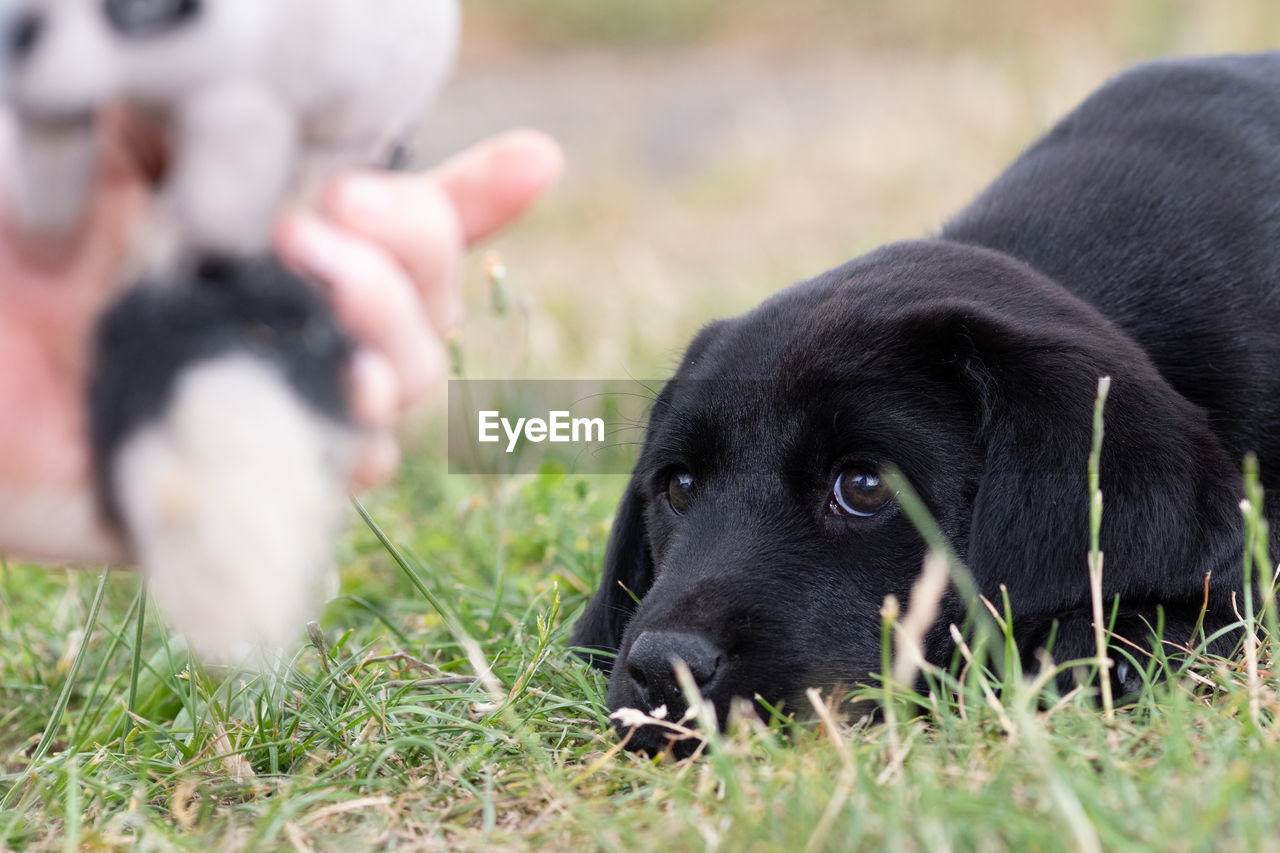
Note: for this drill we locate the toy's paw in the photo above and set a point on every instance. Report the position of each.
(232, 501)
(223, 449)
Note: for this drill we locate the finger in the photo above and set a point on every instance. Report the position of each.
(49, 525)
(493, 182)
(376, 463)
(425, 219)
(416, 222)
(375, 392)
(372, 296)
(374, 402)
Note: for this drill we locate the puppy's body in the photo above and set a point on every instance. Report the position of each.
(1139, 239)
(1158, 203)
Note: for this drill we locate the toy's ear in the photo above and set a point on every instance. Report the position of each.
(628, 574)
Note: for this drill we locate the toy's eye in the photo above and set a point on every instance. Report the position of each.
(24, 31)
(680, 491)
(859, 492)
(149, 17)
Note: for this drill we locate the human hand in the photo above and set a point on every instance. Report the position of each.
(50, 295)
(389, 247)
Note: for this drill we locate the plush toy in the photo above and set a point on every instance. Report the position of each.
(220, 425)
(261, 96)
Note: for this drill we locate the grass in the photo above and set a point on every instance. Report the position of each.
(437, 706)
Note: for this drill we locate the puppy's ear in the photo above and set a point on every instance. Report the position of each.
(1170, 489)
(628, 574)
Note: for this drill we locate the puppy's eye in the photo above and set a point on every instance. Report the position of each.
(680, 491)
(859, 492)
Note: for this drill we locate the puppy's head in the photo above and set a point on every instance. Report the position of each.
(757, 540)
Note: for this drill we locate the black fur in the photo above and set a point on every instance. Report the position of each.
(158, 330)
(1140, 239)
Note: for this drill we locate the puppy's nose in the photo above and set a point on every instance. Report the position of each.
(650, 663)
(21, 32)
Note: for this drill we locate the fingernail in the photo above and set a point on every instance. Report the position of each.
(537, 157)
(364, 199)
(377, 463)
(429, 372)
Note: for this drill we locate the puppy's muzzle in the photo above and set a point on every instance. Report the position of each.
(651, 666)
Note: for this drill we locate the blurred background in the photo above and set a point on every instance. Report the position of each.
(720, 150)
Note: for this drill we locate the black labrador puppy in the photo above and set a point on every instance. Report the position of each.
(1140, 239)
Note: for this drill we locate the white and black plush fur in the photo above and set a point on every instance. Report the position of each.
(222, 446)
(220, 425)
(262, 97)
